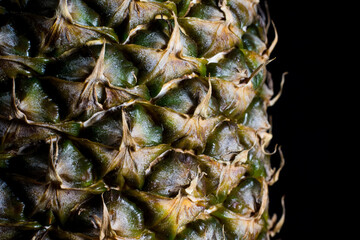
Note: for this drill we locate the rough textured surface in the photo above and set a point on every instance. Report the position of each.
(134, 120)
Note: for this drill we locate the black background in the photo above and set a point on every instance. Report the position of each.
(307, 119)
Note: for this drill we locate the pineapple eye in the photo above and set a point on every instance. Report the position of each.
(245, 198)
(174, 173)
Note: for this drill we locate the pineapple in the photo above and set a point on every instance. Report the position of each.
(124, 119)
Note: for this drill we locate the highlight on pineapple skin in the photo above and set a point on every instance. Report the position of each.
(126, 119)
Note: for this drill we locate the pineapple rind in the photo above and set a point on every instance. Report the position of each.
(134, 120)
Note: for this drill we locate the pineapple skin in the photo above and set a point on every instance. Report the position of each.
(134, 120)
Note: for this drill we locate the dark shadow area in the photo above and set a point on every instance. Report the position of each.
(304, 120)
